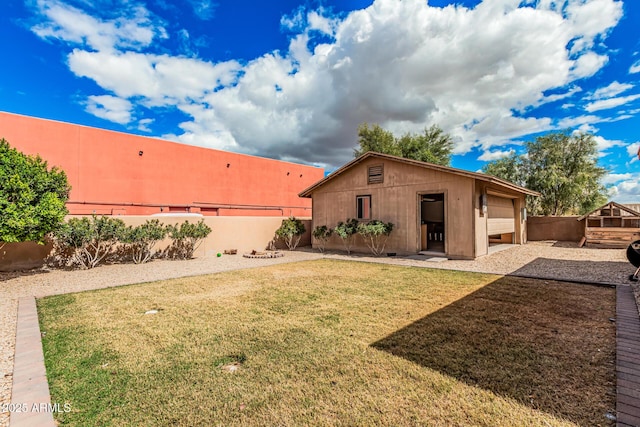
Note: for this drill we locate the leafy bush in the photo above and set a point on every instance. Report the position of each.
(375, 234)
(141, 240)
(322, 233)
(87, 241)
(291, 232)
(346, 231)
(186, 237)
(32, 196)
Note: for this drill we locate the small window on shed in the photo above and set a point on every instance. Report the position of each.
(376, 174)
(363, 207)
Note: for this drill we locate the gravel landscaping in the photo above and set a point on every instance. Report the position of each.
(553, 260)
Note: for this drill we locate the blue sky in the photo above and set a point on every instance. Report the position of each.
(293, 79)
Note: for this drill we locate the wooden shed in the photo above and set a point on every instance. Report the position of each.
(437, 210)
(611, 226)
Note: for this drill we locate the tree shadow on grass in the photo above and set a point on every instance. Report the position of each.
(548, 345)
(614, 272)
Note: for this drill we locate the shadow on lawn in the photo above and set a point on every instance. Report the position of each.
(614, 272)
(548, 345)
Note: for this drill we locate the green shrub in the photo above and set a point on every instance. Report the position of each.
(291, 232)
(346, 231)
(140, 241)
(322, 233)
(375, 234)
(32, 196)
(186, 237)
(87, 241)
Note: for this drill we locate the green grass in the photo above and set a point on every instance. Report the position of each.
(333, 343)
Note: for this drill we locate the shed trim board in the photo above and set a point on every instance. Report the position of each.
(462, 233)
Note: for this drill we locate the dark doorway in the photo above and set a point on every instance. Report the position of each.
(432, 229)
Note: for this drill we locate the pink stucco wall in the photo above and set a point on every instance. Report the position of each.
(118, 173)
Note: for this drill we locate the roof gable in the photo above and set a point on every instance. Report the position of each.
(372, 154)
(610, 205)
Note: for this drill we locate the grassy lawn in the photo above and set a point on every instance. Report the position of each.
(333, 343)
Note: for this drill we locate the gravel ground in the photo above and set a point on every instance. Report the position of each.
(552, 260)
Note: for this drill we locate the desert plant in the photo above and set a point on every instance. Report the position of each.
(291, 231)
(346, 231)
(89, 240)
(140, 241)
(375, 234)
(186, 237)
(322, 233)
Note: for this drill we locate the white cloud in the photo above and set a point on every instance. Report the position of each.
(321, 23)
(489, 156)
(295, 21)
(614, 178)
(611, 90)
(160, 79)
(203, 9)
(603, 144)
(587, 128)
(560, 96)
(635, 68)
(110, 108)
(632, 149)
(605, 104)
(69, 24)
(143, 125)
(627, 190)
(591, 19)
(402, 64)
(588, 64)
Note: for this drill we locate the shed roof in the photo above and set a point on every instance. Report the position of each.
(610, 205)
(474, 175)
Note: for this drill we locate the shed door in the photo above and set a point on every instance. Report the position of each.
(501, 215)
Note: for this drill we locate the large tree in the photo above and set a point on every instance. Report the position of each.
(32, 196)
(562, 167)
(433, 145)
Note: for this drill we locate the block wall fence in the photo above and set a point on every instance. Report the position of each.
(563, 228)
(231, 232)
(249, 233)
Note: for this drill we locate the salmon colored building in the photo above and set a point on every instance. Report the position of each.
(113, 173)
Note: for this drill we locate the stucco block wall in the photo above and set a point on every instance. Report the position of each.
(117, 173)
(241, 233)
(396, 200)
(23, 256)
(563, 228)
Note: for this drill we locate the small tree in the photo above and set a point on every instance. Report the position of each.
(291, 232)
(186, 237)
(563, 167)
(141, 240)
(432, 145)
(375, 234)
(322, 233)
(32, 196)
(346, 231)
(89, 241)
